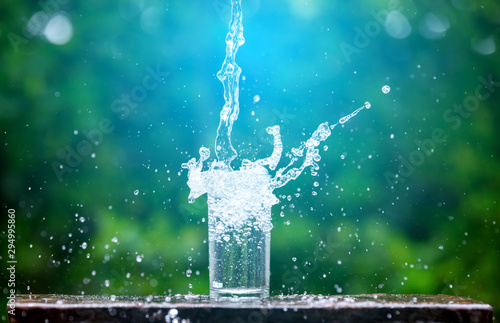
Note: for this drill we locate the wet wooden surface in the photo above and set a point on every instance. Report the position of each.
(295, 308)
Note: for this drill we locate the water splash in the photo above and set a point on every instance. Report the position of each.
(232, 193)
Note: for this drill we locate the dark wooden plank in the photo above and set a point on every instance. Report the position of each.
(295, 308)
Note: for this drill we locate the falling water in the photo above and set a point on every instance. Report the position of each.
(220, 179)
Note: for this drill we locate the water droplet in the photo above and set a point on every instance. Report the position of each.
(368, 105)
(172, 313)
(84, 245)
(386, 89)
(138, 258)
(256, 99)
(136, 192)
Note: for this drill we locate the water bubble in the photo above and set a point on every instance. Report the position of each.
(172, 313)
(138, 258)
(106, 283)
(368, 105)
(386, 89)
(256, 98)
(204, 153)
(136, 192)
(84, 245)
(114, 239)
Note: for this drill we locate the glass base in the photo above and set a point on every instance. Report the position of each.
(239, 294)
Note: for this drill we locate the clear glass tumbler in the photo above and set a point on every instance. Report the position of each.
(239, 222)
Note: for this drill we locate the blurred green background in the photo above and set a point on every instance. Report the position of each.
(101, 102)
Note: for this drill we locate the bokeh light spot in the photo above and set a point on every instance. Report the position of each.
(59, 29)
